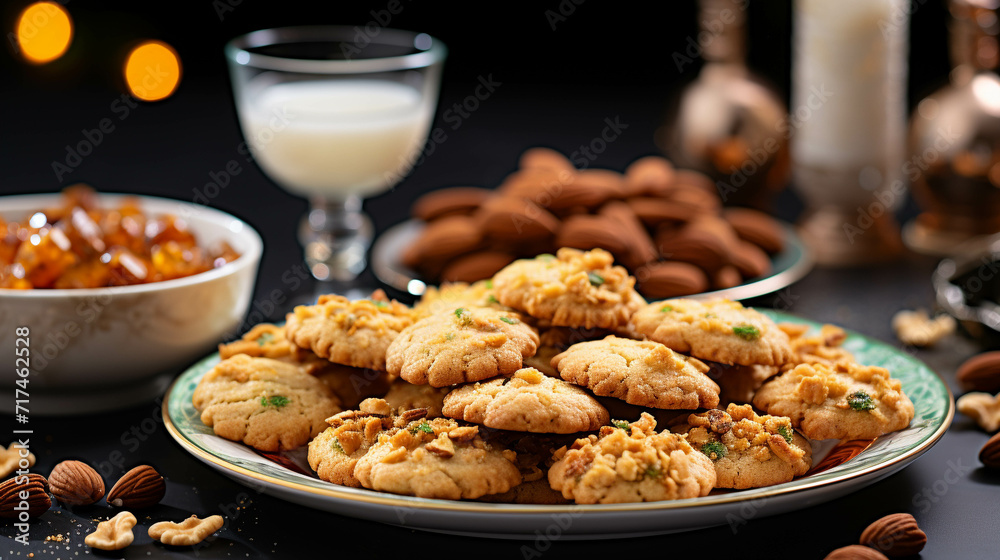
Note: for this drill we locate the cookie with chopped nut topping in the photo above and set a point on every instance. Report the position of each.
(455, 294)
(528, 401)
(461, 345)
(639, 372)
(748, 450)
(571, 289)
(352, 333)
(719, 330)
(404, 395)
(437, 458)
(844, 400)
(631, 463)
(334, 453)
(267, 404)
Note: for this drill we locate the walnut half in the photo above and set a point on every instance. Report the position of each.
(113, 534)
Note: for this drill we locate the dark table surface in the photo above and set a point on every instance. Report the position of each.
(953, 498)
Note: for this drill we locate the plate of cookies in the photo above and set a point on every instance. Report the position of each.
(553, 399)
(667, 226)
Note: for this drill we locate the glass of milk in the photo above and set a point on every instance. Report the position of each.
(335, 114)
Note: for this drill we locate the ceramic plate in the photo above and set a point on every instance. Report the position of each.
(841, 468)
(787, 266)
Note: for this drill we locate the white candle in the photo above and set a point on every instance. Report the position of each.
(849, 84)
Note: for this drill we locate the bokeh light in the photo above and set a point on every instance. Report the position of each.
(152, 71)
(44, 31)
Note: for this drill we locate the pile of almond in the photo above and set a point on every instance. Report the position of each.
(667, 226)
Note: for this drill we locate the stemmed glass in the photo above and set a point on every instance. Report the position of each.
(335, 114)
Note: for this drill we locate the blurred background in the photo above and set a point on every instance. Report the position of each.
(560, 70)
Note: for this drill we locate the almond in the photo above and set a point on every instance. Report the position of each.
(751, 260)
(538, 184)
(895, 535)
(38, 501)
(656, 211)
(476, 266)
(590, 188)
(651, 175)
(670, 279)
(757, 228)
(592, 232)
(695, 179)
(989, 455)
(139, 488)
(447, 202)
(509, 218)
(855, 552)
(696, 200)
(545, 158)
(640, 248)
(981, 373)
(76, 484)
(726, 277)
(443, 240)
(696, 246)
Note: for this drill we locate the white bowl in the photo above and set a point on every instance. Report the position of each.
(102, 340)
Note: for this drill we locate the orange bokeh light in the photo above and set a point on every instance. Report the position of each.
(44, 31)
(152, 71)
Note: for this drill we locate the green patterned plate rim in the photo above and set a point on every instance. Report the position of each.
(933, 403)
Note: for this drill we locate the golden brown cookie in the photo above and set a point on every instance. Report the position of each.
(528, 401)
(639, 372)
(748, 450)
(267, 404)
(718, 330)
(455, 294)
(462, 345)
(824, 347)
(268, 341)
(631, 463)
(572, 289)
(437, 458)
(842, 401)
(334, 453)
(404, 395)
(352, 333)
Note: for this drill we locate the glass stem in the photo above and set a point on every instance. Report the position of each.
(336, 235)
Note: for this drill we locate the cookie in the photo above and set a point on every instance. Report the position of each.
(437, 458)
(463, 345)
(631, 463)
(642, 373)
(455, 294)
(267, 404)
(718, 330)
(268, 341)
(353, 385)
(841, 401)
(748, 450)
(824, 347)
(334, 453)
(572, 289)
(528, 401)
(404, 395)
(352, 333)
